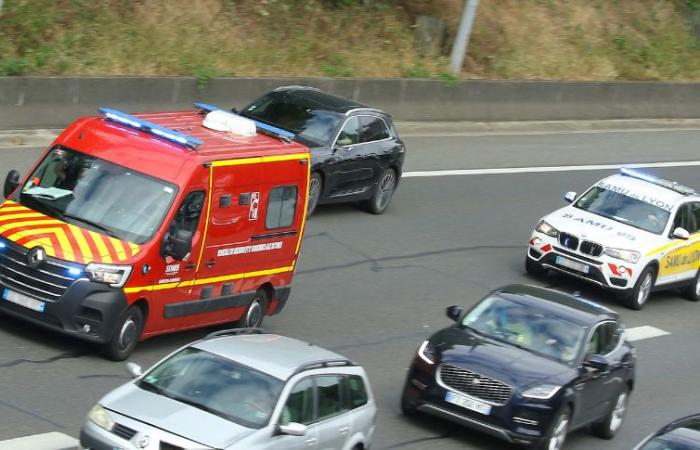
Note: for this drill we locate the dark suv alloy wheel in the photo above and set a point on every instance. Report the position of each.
(607, 428)
(315, 189)
(383, 193)
(558, 431)
(126, 335)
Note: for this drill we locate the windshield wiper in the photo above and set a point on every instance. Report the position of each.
(50, 208)
(100, 227)
(153, 388)
(206, 408)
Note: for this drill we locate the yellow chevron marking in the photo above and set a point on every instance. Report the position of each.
(14, 208)
(101, 247)
(119, 248)
(20, 224)
(42, 242)
(82, 243)
(27, 215)
(135, 249)
(58, 232)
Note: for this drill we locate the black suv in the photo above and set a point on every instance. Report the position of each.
(356, 154)
(527, 365)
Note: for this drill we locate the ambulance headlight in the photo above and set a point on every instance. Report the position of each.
(544, 227)
(115, 276)
(100, 417)
(630, 256)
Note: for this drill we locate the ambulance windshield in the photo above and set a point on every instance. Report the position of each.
(95, 194)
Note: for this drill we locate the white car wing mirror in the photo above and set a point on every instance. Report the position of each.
(681, 233)
(293, 429)
(570, 196)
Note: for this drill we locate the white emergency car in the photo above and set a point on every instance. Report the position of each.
(630, 232)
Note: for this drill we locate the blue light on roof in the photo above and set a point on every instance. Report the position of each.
(260, 125)
(657, 181)
(151, 128)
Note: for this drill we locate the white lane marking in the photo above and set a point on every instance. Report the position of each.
(496, 132)
(644, 332)
(46, 441)
(542, 169)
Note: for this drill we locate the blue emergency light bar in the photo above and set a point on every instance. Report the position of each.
(685, 190)
(276, 132)
(151, 128)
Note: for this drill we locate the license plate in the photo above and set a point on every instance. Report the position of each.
(577, 266)
(468, 403)
(23, 300)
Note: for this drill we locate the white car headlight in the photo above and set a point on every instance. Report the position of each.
(544, 227)
(426, 352)
(113, 275)
(100, 417)
(542, 391)
(630, 256)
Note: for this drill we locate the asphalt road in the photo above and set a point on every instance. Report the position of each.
(372, 287)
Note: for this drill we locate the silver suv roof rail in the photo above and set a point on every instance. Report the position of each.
(322, 363)
(235, 332)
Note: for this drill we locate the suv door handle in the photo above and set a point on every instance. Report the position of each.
(311, 441)
(343, 430)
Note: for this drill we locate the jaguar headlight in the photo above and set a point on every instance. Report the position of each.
(100, 417)
(544, 227)
(542, 391)
(426, 352)
(115, 276)
(630, 256)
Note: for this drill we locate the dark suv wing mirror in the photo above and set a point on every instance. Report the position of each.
(598, 362)
(178, 245)
(11, 182)
(454, 312)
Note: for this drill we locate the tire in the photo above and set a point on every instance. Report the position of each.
(611, 423)
(534, 268)
(126, 335)
(407, 409)
(554, 440)
(692, 292)
(315, 190)
(637, 298)
(255, 313)
(383, 193)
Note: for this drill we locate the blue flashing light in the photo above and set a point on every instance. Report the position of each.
(151, 128)
(75, 272)
(278, 132)
(2, 245)
(672, 185)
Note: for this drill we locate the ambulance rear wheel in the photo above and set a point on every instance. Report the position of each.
(384, 192)
(254, 315)
(315, 189)
(126, 335)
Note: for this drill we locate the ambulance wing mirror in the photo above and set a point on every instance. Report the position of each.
(570, 196)
(681, 233)
(178, 245)
(11, 182)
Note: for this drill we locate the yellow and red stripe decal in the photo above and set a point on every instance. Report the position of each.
(30, 228)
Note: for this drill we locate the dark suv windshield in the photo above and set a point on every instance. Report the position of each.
(315, 126)
(216, 385)
(97, 194)
(624, 209)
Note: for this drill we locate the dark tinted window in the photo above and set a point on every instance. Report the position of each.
(695, 215)
(281, 207)
(350, 134)
(187, 216)
(357, 391)
(372, 129)
(330, 401)
(682, 218)
(605, 338)
(300, 404)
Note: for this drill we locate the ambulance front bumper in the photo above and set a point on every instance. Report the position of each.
(602, 270)
(86, 310)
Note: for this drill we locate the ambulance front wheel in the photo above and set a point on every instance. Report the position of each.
(254, 315)
(126, 335)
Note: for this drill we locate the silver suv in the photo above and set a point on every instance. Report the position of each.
(238, 389)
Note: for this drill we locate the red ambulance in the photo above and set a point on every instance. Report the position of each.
(131, 226)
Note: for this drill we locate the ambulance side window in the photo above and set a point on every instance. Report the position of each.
(281, 207)
(187, 216)
(695, 213)
(682, 219)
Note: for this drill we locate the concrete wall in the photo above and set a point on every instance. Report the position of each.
(27, 102)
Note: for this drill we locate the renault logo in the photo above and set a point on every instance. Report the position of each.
(36, 257)
(144, 441)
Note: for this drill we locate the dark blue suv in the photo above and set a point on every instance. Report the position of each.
(527, 365)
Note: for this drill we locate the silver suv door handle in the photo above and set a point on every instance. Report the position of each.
(311, 441)
(343, 430)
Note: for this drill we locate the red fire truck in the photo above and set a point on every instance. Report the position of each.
(131, 226)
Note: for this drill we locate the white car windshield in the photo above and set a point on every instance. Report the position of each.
(624, 209)
(537, 330)
(217, 385)
(97, 194)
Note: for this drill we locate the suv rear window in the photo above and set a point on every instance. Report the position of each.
(358, 393)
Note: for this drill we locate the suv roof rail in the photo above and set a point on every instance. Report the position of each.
(235, 332)
(294, 86)
(321, 363)
(365, 108)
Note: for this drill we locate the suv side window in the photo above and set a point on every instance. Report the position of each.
(350, 134)
(695, 215)
(605, 339)
(281, 207)
(372, 129)
(357, 391)
(330, 397)
(300, 404)
(682, 218)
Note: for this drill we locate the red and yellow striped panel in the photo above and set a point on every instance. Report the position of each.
(30, 228)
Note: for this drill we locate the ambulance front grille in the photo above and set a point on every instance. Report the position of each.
(47, 282)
